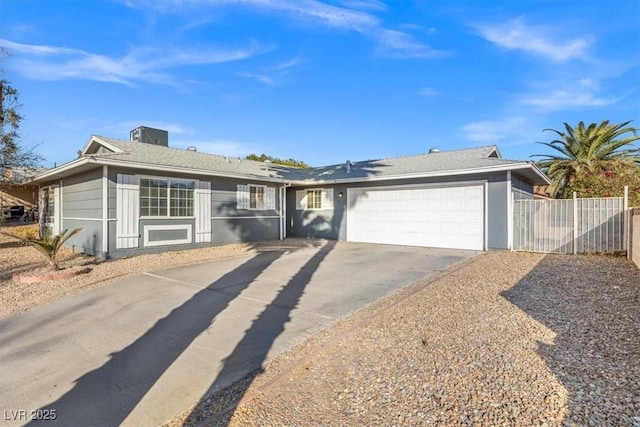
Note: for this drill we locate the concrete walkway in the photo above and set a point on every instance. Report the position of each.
(142, 350)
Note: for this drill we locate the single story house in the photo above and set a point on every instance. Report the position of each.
(142, 196)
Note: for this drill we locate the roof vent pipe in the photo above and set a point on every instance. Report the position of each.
(348, 166)
(192, 148)
(434, 150)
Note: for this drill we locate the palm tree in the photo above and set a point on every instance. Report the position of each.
(584, 149)
(49, 245)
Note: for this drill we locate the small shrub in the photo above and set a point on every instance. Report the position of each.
(49, 245)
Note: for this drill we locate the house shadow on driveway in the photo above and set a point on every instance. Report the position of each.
(592, 303)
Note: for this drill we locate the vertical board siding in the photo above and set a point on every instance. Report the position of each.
(242, 196)
(560, 226)
(57, 211)
(128, 211)
(301, 200)
(270, 198)
(327, 198)
(203, 211)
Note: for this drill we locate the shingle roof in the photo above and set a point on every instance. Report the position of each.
(138, 152)
(442, 161)
(454, 162)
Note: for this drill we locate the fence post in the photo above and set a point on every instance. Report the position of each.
(575, 223)
(625, 207)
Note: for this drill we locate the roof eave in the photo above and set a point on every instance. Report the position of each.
(189, 171)
(488, 169)
(97, 139)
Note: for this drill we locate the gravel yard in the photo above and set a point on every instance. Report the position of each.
(502, 339)
(510, 339)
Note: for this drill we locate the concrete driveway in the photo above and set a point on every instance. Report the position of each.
(142, 350)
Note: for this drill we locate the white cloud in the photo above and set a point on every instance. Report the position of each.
(141, 64)
(541, 40)
(563, 99)
(560, 95)
(428, 92)
(399, 44)
(356, 16)
(258, 77)
(364, 4)
(507, 131)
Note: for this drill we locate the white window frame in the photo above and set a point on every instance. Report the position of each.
(187, 240)
(326, 199)
(317, 193)
(264, 196)
(168, 181)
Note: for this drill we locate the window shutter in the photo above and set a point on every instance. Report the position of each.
(127, 211)
(202, 208)
(270, 198)
(243, 196)
(301, 200)
(327, 198)
(57, 212)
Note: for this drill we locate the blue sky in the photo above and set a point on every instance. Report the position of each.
(320, 81)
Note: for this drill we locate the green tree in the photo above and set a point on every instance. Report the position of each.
(284, 162)
(12, 154)
(588, 153)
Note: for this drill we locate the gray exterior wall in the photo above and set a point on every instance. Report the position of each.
(81, 206)
(332, 224)
(228, 224)
(522, 189)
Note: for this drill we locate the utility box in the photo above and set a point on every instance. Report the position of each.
(149, 135)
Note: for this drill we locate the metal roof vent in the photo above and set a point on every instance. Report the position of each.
(192, 148)
(434, 150)
(348, 166)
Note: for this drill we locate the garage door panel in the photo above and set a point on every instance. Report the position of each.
(450, 217)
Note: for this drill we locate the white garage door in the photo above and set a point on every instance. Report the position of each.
(442, 217)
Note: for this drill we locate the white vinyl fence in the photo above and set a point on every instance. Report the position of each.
(570, 226)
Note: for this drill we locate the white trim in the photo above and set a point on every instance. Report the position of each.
(168, 217)
(626, 219)
(264, 197)
(101, 142)
(57, 212)
(509, 212)
(105, 209)
(425, 185)
(270, 198)
(127, 211)
(486, 215)
(148, 228)
(244, 177)
(486, 169)
(169, 181)
(70, 218)
(484, 183)
(202, 211)
(247, 217)
(60, 200)
(575, 223)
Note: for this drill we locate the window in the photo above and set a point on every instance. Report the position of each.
(256, 197)
(166, 197)
(314, 199)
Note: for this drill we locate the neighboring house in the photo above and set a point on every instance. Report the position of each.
(14, 190)
(140, 197)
